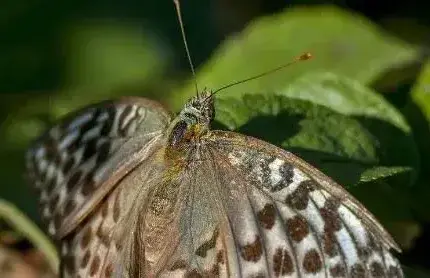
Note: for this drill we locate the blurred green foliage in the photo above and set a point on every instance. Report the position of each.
(329, 110)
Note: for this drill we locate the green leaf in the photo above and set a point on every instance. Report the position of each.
(417, 111)
(341, 42)
(382, 172)
(421, 91)
(349, 97)
(346, 96)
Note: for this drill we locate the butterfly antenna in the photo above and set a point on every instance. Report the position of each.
(303, 57)
(181, 24)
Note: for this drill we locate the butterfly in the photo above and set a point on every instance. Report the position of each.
(127, 190)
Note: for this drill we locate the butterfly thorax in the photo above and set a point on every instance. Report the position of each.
(192, 122)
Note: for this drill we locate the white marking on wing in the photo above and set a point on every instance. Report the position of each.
(115, 127)
(43, 163)
(318, 197)
(298, 177)
(103, 117)
(46, 212)
(275, 176)
(347, 246)
(354, 225)
(313, 215)
(51, 228)
(81, 119)
(128, 117)
(92, 133)
(68, 140)
(50, 172)
(40, 152)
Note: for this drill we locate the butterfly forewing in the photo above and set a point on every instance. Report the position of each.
(94, 248)
(98, 144)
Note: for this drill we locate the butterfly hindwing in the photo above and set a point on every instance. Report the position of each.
(297, 221)
(71, 161)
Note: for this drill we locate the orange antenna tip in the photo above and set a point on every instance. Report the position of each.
(305, 56)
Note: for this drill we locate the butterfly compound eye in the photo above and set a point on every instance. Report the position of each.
(178, 133)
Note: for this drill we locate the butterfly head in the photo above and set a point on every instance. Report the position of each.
(199, 109)
(193, 120)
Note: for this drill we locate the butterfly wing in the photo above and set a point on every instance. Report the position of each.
(94, 248)
(251, 209)
(77, 162)
(298, 221)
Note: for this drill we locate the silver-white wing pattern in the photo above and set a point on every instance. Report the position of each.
(71, 161)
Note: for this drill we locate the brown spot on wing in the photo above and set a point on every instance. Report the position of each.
(180, 264)
(253, 251)
(298, 228)
(214, 272)
(267, 215)
(193, 274)
(377, 270)
(300, 197)
(330, 215)
(95, 265)
(220, 257)
(358, 271)
(206, 246)
(312, 262)
(332, 224)
(282, 263)
(109, 270)
(329, 244)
